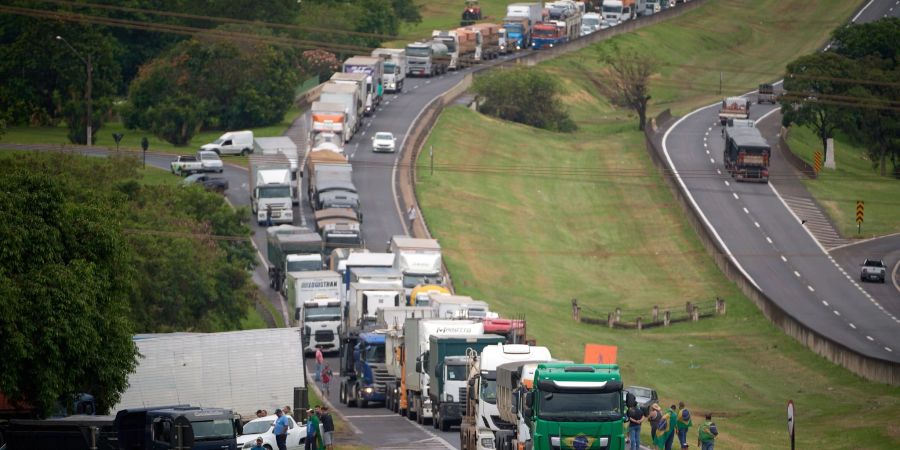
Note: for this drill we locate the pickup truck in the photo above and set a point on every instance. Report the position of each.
(185, 165)
(873, 270)
(204, 161)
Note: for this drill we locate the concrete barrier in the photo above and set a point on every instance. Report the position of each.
(870, 368)
(798, 163)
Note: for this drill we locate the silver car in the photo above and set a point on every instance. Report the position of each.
(384, 141)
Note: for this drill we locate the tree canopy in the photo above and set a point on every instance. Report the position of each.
(525, 96)
(91, 256)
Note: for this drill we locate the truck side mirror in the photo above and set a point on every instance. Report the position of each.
(419, 364)
(529, 400)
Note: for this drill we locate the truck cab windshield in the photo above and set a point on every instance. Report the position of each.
(457, 372)
(304, 266)
(275, 192)
(450, 43)
(580, 406)
(489, 390)
(513, 28)
(375, 354)
(416, 51)
(344, 239)
(541, 32)
(322, 314)
(213, 430)
(413, 280)
(612, 9)
(389, 68)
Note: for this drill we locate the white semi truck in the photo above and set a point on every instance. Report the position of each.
(269, 146)
(317, 305)
(395, 67)
(419, 260)
(374, 70)
(328, 118)
(272, 192)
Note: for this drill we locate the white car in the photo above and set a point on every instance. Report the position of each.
(264, 427)
(384, 142)
(211, 161)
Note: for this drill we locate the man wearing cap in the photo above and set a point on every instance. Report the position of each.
(312, 430)
(282, 423)
(259, 444)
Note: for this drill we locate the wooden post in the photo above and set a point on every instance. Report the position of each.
(666, 319)
(618, 315)
(655, 313)
(720, 306)
(609, 320)
(640, 326)
(688, 308)
(695, 314)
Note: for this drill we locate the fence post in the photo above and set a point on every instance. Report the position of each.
(688, 308)
(666, 319)
(655, 313)
(720, 305)
(695, 314)
(640, 326)
(609, 320)
(618, 315)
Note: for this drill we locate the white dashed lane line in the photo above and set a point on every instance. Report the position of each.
(735, 196)
(783, 258)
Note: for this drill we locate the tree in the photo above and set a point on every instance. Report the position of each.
(628, 81)
(523, 95)
(207, 82)
(319, 63)
(810, 89)
(879, 39)
(65, 282)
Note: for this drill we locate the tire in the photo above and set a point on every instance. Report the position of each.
(343, 394)
(434, 419)
(245, 152)
(443, 425)
(217, 152)
(361, 402)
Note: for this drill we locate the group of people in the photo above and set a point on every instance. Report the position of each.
(319, 428)
(664, 425)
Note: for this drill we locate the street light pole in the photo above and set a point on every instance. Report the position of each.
(87, 89)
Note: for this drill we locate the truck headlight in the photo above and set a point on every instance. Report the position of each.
(449, 398)
(368, 390)
(487, 442)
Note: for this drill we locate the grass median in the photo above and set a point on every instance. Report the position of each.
(530, 219)
(853, 179)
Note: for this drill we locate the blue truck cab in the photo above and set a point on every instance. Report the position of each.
(370, 376)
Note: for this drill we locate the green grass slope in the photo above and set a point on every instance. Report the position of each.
(531, 219)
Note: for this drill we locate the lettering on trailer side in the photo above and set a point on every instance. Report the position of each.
(318, 284)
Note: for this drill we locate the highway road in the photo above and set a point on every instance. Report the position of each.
(768, 243)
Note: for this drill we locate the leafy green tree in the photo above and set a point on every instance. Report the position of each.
(879, 39)
(44, 81)
(525, 96)
(212, 83)
(812, 86)
(65, 283)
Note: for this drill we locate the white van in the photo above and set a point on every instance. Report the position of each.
(232, 143)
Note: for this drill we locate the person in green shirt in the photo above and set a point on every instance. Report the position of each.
(706, 436)
(665, 431)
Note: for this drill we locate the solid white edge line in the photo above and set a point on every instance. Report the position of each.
(861, 11)
(694, 204)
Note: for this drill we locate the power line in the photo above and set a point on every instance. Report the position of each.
(185, 30)
(215, 19)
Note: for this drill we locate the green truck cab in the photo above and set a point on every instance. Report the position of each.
(576, 406)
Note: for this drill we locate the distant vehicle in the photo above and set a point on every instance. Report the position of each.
(590, 23)
(384, 142)
(766, 94)
(232, 143)
(873, 270)
(264, 427)
(651, 7)
(185, 165)
(734, 108)
(644, 396)
(211, 161)
(209, 183)
(471, 14)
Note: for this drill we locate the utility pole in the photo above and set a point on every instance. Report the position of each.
(87, 89)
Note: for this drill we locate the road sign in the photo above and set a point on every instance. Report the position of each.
(790, 421)
(817, 161)
(860, 210)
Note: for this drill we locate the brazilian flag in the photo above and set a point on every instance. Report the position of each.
(665, 429)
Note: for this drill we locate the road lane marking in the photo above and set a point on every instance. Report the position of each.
(712, 160)
(726, 181)
(735, 196)
(746, 211)
(810, 288)
(837, 313)
(852, 326)
(783, 258)
(756, 224)
(888, 349)
(870, 338)
(824, 303)
(719, 171)
(797, 274)
(768, 239)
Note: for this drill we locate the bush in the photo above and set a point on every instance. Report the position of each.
(525, 96)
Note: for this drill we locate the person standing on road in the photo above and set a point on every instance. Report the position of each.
(268, 215)
(683, 424)
(635, 419)
(411, 215)
(326, 380)
(282, 423)
(320, 359)
(328, 429)
(706, 437)
(259, 444)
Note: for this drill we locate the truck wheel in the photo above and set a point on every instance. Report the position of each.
(245, 152)
(410, 407)
(342, 397)
(360, 401)
(434, 419)
(444, 425)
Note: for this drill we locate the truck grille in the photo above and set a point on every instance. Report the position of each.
(502, 424)
(324, 336)
(381, 378)
(462, 395)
